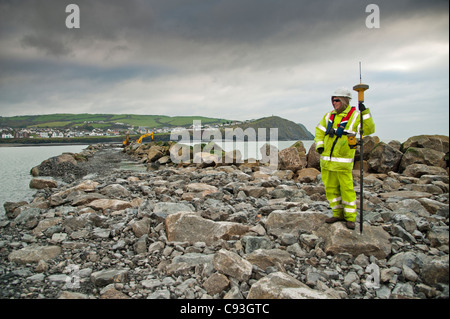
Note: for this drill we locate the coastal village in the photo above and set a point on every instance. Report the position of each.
(88, 129)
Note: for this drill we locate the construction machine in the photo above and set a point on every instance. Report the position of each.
(143, 136)
(126, 142)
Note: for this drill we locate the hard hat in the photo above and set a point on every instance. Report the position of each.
(343, 92)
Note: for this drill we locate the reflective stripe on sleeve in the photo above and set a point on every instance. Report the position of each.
(355, 117)
(320, 127)
(349, 132)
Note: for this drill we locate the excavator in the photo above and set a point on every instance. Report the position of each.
(126, 142)
(145, 135)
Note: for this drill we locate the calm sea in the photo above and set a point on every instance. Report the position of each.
(16, 163)
(15, 166)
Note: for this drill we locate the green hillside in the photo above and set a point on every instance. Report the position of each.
(287, 130)
(102, 120)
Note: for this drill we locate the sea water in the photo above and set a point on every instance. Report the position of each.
(15, 166)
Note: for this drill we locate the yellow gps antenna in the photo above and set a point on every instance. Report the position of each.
(360, 88)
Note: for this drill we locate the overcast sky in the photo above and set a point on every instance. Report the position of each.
(232, 59)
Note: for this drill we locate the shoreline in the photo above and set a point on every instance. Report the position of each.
(44, 144)
(150, 229)
(120, 144)
(147, 234)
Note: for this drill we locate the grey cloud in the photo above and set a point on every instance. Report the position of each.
(236, 59)
(46, 44)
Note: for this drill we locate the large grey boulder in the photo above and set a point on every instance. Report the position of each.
(384, 158)
(374, 241)
(190, 227)
(292, 222)
(279, 285)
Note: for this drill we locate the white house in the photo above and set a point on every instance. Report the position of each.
(7, 135)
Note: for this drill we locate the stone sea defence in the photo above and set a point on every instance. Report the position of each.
(216, 230)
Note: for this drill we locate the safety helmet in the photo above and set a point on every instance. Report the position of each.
(342, 92)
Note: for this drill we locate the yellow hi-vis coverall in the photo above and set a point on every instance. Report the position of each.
(336, 168)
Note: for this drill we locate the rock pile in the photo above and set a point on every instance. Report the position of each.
(229, 231)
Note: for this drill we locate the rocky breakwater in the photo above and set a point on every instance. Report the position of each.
(228, 231)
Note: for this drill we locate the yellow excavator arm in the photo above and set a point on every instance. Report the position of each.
(145, 135)
(127, 140)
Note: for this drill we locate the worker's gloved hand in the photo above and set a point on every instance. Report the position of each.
(361, 106)
(320, 150)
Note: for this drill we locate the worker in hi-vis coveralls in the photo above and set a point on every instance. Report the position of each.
(335, 141)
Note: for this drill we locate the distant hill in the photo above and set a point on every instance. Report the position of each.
(102, 121)
(311, 136)
(287, 130)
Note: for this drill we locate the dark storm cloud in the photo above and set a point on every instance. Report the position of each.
(233, 59)
(41, 24)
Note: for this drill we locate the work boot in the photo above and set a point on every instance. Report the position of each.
(332, 220)
(350, 225)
